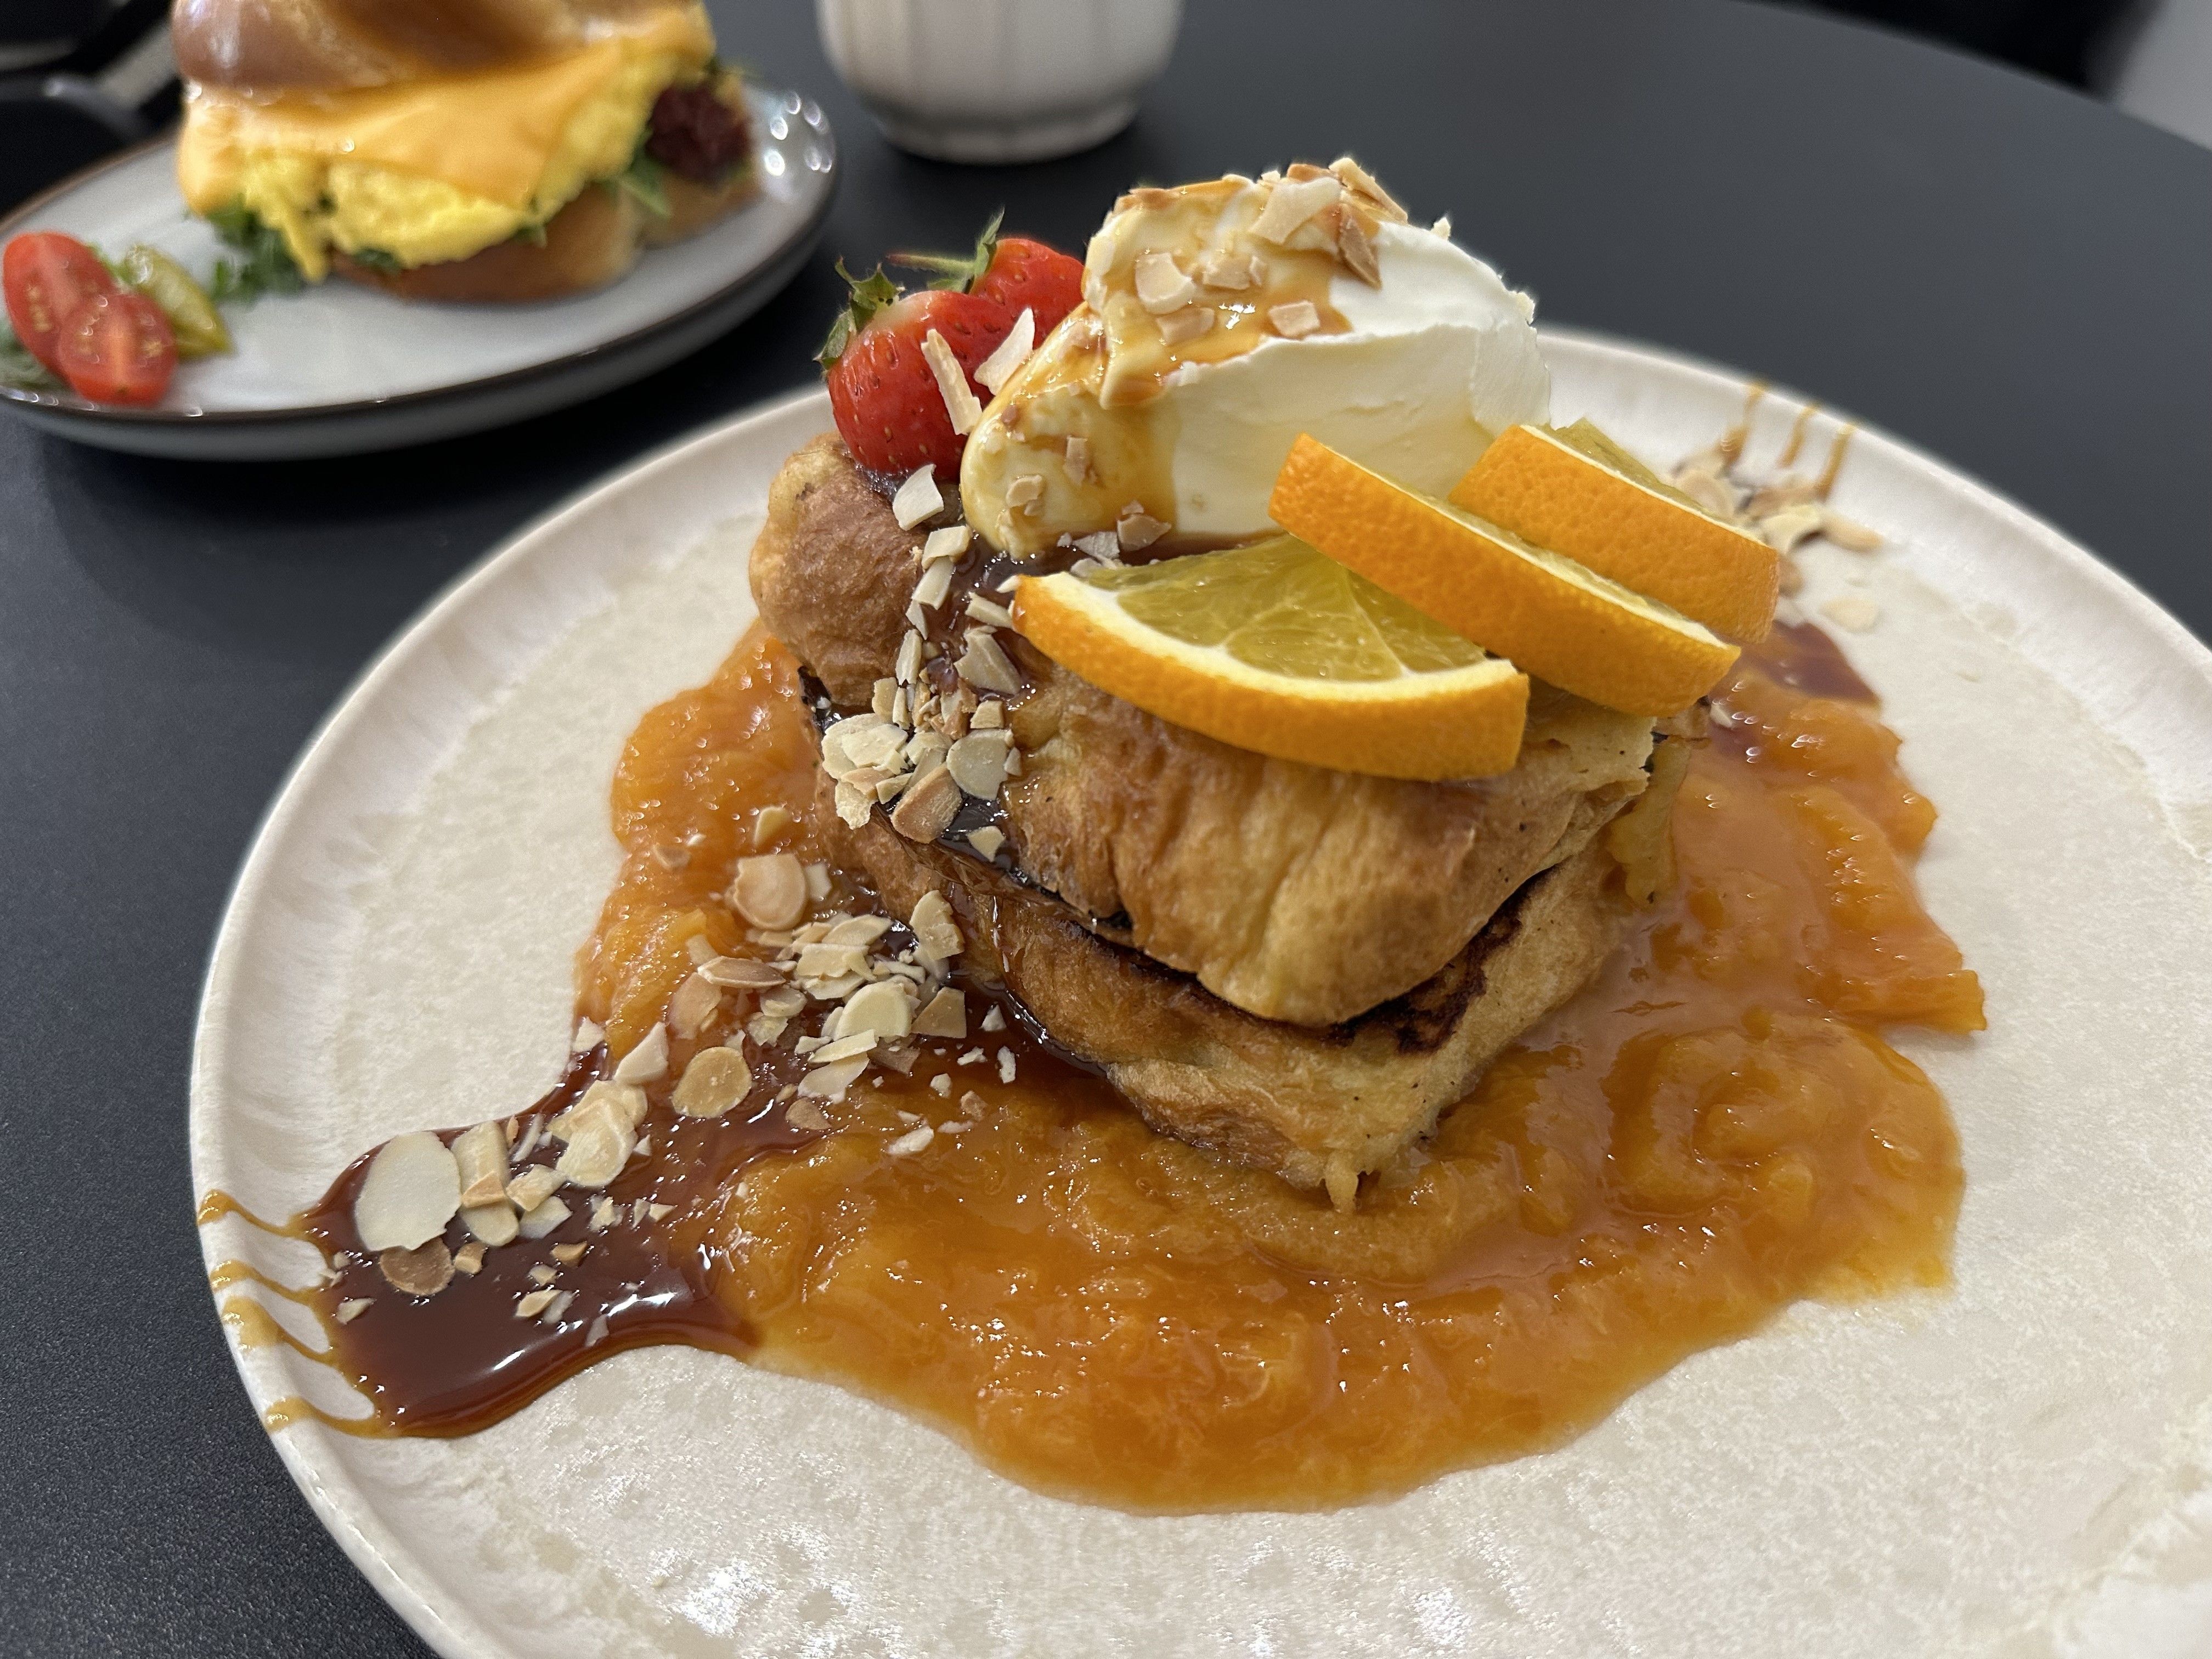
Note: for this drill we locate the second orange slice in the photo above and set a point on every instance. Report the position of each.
(1552, 616)
(1576, 491)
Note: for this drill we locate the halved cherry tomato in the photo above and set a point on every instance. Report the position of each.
(118, 349)
(46, 276)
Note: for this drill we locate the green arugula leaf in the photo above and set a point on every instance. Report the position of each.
(375, 258)
(18, 367)
(642, 179)
(267, 267)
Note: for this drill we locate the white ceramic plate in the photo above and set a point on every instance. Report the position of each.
(340, 369)
(2021, 1465)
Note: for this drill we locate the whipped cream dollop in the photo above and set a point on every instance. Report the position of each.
(1222, 319)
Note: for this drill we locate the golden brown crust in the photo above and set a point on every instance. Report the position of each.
(266, 45)
(1294, 892)
(588, 244)
(1316, 1106)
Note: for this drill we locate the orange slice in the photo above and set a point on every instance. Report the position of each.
(1556, 620)
(1576, 491)
(1274, 649)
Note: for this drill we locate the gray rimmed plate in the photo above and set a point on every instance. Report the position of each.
(340, 369)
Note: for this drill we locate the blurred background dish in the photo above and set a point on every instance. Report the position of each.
(998, 79)
(339, 369)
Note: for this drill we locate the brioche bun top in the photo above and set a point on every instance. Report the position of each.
(252, 46)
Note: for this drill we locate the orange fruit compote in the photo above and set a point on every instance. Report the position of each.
(1714, 1129)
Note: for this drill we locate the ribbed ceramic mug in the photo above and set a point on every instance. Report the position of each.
(998, 79)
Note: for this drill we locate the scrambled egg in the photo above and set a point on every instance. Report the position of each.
(434, 170)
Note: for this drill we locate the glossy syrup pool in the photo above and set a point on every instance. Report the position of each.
(1712, 1130)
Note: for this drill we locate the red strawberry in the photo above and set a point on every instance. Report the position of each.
(1026, 274)
(888, 408)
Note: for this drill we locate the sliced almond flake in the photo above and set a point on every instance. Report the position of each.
(532, 1187)
(1137, 528)
(715, 1082)
(918, 498)
(1356, 251)
(978, 763)
(600, 1137)
(1025, 492)
(991, 615)
(1848, 533)
(480, 1155)
(767, 1029)
(986, 665)
(647, 1060)
(974, 1105)
(1770, 498)
(960, 404)
(935, 930)
(1232, 273)
(769, 822)
(853, 805)
(891, 788)
(883, 1013)
(536, 1223)
(605, 1214)
(941, 1084)
(995, 1020)
(1076, 458)
(1792, 525)
(469, 1259)
(973, 1057)
(423, 1271)
(493, 1225)
(1790, 579)
(558, 1309)
(946, 1016)
(1188, 323)
(410, 1191)
(694, 1005)
(958, 1125)
(660, 1211)
(351, 1309)
(913, 1141)
(926, 751)
(1005, 1065)
(1294, 319)
(879, 698)
(784, 1002)
(741, 973)
(541, 1274)
(858, 930)
(1291, 202)
(533, 1303)
(1710, 491)
(948, 543)
(830, 1082)
(807, 1115)
(1853, 611)
(589, 1035)
(1010, 354)
(1442, 227)
(672, 858)
(1161, 285)
(987, 839)
(596, 1332)
(569, 1254)
(527, 1141)
(1358, 178)
(859, 1045)
(818, 882)
(926, 810)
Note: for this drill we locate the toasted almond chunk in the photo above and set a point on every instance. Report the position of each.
(1005, 1065)
(1160, 283)
(987, 839)
(946, 1016)
(1356, 252)
(946, 544)
(880, 698)
(995, 1019)
(716, 1080)
(589, 1035)
(647, 1060)
(569, 1254)
(770, 890)
(351, 1309)
(530, 1305)
(1291, 202)
(942, 1085)
(532, 1187)
(480, 1155)
(934, 929)
(985, 664)
(989, 612)
(532, 1132)
(605, 1214)
(1076, 458)
(818, 882)
(913, 1141)
(1137, 528)
(960, 405)
(493, 1224)
(926, 810)
(1187, 323)
(1358, 178)
(1232, 273)
(536, 1223)
(558, 1309)
(854, 804)
(908, 665)
(830, 1082)
(973, 1105)
(600, 1137)
(1294, 320)
(1442, 228)
(808, 1115)
(978, 763)
(469, 1259)
(694, 1004)
(769, 822)
(423, 1271)
(1010, 354)
(411, 1190)
(990, 715)
(541, 1274)
(918, 497)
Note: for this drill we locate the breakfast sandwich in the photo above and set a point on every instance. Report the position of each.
(458, 149)
(1290, 858)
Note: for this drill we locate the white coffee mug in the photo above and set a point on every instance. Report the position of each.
(998, 79)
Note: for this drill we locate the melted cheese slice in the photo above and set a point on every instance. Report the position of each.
(441, 167)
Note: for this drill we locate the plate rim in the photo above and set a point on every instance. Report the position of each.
(452, 1629)
(65, 410)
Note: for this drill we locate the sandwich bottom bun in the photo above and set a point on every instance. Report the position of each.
(588, 244)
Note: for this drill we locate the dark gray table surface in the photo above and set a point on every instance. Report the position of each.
(2001, 271)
